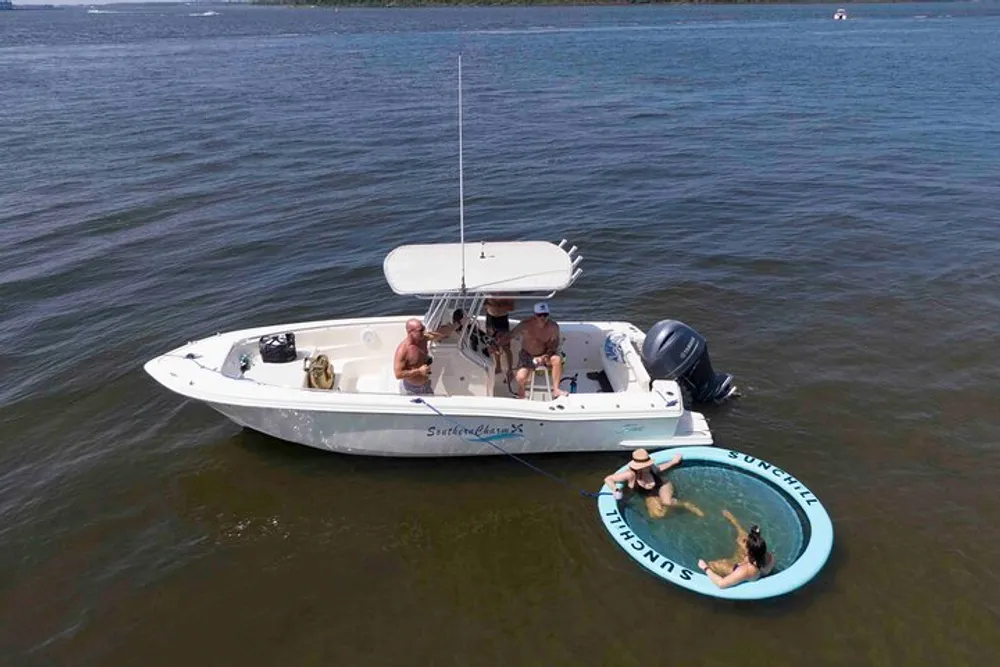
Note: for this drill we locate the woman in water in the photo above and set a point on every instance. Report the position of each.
(751, 561)
(645, 478)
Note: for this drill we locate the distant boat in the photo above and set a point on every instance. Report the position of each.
(840, 15)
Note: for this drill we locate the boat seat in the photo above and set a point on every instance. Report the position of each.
(365, 376)
(622, 364)
(544, 391)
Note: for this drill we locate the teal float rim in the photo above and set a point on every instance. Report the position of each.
(810, 509)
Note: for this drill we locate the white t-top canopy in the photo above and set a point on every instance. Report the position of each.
(494, 268)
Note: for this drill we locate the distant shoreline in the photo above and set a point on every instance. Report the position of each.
(390, 4)
(387, 4)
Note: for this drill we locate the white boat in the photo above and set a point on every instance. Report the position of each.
(616, 404)
(620, 398)
(840, 15)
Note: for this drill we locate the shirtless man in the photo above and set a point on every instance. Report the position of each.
(498, 325)
(539, 347)
(411, 362)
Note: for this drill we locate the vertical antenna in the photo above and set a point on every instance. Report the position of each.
(461, 180)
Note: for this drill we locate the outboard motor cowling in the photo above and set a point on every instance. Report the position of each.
(674, 351)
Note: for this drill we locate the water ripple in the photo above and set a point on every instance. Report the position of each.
(819, 200)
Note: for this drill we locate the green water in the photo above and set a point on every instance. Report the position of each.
(685, 537)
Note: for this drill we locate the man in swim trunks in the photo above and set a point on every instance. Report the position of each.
(497, 325)
(539, 347)
(411, 364)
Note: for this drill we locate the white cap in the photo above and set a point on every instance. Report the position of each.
(541, 308)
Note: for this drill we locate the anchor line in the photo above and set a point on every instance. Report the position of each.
(582, 492)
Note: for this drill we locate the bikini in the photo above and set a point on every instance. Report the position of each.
(760, 570)
(653, 490)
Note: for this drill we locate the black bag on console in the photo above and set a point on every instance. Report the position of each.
(277, 348)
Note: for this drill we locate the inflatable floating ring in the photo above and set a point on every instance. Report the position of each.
(662, 550)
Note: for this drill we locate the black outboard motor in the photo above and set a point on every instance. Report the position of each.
(674, 351)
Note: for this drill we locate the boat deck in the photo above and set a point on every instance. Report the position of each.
(383, 381)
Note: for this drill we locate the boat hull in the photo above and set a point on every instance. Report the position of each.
(434, 435)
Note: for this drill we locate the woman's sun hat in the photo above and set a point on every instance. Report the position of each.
(640, 460)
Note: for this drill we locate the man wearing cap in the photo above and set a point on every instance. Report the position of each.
(539, 347)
